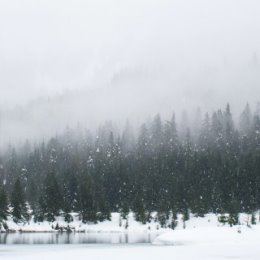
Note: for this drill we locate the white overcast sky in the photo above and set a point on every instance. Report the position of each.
(50, 46)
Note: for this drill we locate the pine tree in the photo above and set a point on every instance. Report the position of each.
(170, 135)
(185, 216)
(140, 211)
(70, 192)
(51, 199)
(183, 125)
(245, 121)
(4, 207)
(196, 124)
(19, 210)
(88, 206)
(228, 125)
(174, 221)
(128, 139)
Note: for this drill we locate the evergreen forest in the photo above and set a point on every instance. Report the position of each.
(212, 165)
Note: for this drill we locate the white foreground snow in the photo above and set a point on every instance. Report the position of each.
(211, 236)
(221, 250)
(203, 238)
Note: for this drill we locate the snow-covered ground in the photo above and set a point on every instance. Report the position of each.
(203, 238)
(116, 224)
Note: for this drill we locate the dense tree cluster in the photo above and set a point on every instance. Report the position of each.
(213, 166)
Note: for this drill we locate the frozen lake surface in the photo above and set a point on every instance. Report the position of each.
(78, 238)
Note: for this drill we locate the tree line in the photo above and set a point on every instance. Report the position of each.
(213, 166)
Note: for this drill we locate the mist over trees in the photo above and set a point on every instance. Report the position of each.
(208, 165)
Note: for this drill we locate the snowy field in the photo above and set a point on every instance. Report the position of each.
(203, 238)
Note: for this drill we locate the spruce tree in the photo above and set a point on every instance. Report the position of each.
(245, 121)
(51, 199)
(4, 207)
(88, 206)
(19, 207)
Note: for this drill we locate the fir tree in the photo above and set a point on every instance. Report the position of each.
(19, 207)
(4, 207)
(51, 199)
(88, 206)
